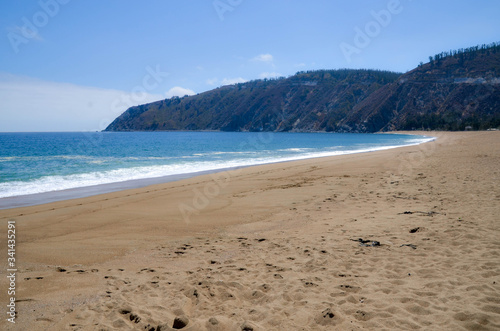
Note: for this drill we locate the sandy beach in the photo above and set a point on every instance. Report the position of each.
(402, 239)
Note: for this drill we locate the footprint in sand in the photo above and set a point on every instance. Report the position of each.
(131, 316)
(179, 323)
(327, 317)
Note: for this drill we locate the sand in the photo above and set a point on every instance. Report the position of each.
(274, 247)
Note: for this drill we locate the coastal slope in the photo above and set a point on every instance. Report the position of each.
(454, 91)
(307, 101)
(457, 90)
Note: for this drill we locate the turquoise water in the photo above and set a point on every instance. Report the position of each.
(44, 162)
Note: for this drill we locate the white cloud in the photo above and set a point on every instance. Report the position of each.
(263, 58)
(231, 81)
(178, 91)
(270, 75)
(225, 81)
(29, 104)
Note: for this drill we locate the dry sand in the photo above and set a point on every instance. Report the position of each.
(275, 247)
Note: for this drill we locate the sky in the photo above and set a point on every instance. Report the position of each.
(75, 65)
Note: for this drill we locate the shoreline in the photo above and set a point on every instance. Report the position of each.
(88, 191)
(275, 246)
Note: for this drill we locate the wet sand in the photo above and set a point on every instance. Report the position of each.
(275, 247)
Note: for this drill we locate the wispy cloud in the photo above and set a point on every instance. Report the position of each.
(225, 81)
(30, 104)
(178, 91)
(231, 81)
(270, 75)
(263, 58)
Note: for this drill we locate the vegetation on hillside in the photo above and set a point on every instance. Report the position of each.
(307, 101)
(455, 90)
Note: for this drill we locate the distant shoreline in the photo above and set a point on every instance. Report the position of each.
(88, 191)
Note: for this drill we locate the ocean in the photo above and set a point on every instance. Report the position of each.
(42, 167)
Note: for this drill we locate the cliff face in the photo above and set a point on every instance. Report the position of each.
(454, 91)
(450, 94)
(312, 101)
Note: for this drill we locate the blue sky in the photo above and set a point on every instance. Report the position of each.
(74, 65)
